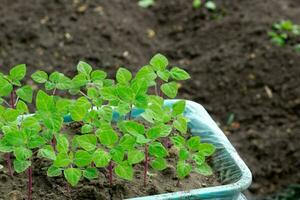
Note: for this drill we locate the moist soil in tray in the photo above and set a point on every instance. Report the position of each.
(56, 188)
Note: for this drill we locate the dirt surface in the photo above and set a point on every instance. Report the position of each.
(234, 67)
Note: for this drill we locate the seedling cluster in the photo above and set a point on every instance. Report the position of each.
(283, 32)
(103, 143)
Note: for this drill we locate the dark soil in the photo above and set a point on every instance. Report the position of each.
(234, 67)
(56, 188)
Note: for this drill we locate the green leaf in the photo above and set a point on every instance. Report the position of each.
(79, 81)
(135, 156)
(82, 158)
(90, 173)
(180, 124)
(84, 68)
(123, 75)
(178, 141)
(124, 170)
(170, 89)
(52, 120)
(108, 93)
(210, 5)
(78, 112)
(21, 165)
(207, 149)
(15, 138)
(87, 142)
(178, 107)
(22, 107)
(62, 160)
(98, 75)
(47, 152)
(139, 86)
(159, 164)
(18, 72)
(183, 154)
(5, 87)
(101, 158)
(161, 130)
(183, 169)
(36, 141)
(146, 3)
(159, 62)
(125, 93)
(10, 114)
(72, 175)
(44, 102)
(31, 123)
(22, 153)
(199, 158)
(179, 74)
(197, 3)
(158, 150)
(87, 128)
(204, 169)
(117, 154)
(127, 142)
(107, 137)
(106, 113)
(5, 147)
(193, 143)
(131, 127)
(62, 143)
(164, 75)
(146, 73)
(40, 76)
(54, 171)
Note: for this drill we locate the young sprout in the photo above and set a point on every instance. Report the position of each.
(210, 5)
(146, 3)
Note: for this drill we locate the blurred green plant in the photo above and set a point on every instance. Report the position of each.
(284, 31)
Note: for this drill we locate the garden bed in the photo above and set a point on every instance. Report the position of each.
(232, 62)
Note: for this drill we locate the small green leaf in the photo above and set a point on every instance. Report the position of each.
(87, 142)
(52, 120)
(178, 108)
(40, 76)
(146, 73)
(170, 89)
(199, 158)
(72, 175)
(159, 164)
(164, 75)
(178, 141)
(5, 87)
(193, 143)
(22, 107)
(22, 153)
(197, 3)
(131, 127)
(179, 74)
(62, 160)
(82, 158)
(146, 3)
(158, 150)
(87, 128)
(207, 149)
(183, 154)
(84, 68)
(98, 75)
(54, 171)
(15, 138)
(117, 154)
(204, 169)
(90, 173)
(101, 158)
(127, 142)
(123, 75)
(180, 124)
(62, 143)
(135, 156)
(10, 114)
(21, 165)
(36, 141)
(78, 112)
(210, 5)
(44, 102)
(107, 137)
(183, 169)
(124, 170)
(18, 72)
(47, 152)
(161, 130)
(159, 62)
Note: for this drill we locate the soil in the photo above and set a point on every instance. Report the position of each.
(235, 69)
(56, 188)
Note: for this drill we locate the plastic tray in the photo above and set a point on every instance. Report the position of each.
(235, 176)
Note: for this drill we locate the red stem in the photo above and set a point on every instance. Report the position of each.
(110, 169)
(8, 161)
(53, 143)
(146, 165)
(29, 182)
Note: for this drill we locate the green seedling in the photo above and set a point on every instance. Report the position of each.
(283, 32)
(146, 3)
(210, 5)
(102, 143)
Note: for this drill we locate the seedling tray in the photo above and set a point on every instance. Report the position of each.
(233, 173)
